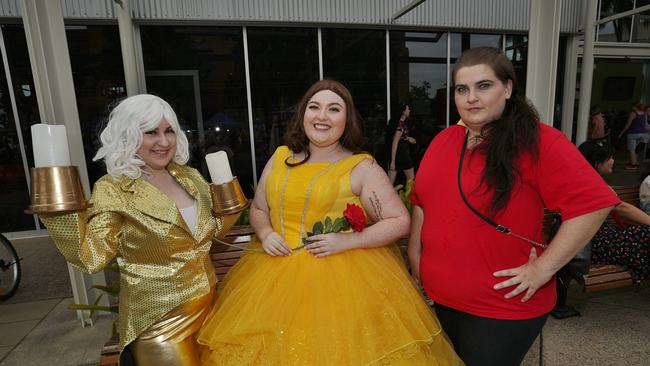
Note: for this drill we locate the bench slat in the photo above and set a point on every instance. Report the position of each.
(609, 285)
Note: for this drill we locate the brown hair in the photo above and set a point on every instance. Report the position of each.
(505, 139)
(352, 138)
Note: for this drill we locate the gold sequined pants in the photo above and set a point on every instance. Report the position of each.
(171, 341)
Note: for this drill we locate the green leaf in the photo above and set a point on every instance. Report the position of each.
(318, 228)
(328, 225)
(339, 224)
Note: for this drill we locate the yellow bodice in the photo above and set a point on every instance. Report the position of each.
(316, 190)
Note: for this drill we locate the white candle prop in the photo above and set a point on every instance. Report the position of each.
(50, 144)
(219, 167)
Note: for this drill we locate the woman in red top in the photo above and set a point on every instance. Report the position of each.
(492, 287)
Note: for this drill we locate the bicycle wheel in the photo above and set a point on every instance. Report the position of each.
(9, 269)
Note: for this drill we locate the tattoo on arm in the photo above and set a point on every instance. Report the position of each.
(374, 202)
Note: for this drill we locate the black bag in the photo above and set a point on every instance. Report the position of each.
(578, 266)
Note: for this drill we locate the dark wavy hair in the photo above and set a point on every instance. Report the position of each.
(595, 152)
(504, 140)
(352, 138)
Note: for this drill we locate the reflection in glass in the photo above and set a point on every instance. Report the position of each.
(280, 75)
(357, 58)
(418, 77)
(98, 76)
(641, 33)
(23, 84)
(517, 52)
(464, 41)
(485, 40)
(200, 72)
(615, 31)
(14, 195)
(612, 7)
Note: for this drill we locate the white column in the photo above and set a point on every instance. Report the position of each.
(569, 93)
(543, 39)
(57, 104)
(127, 42)
(587, 71)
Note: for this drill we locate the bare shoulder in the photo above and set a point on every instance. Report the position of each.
(368, 166)
(367, 171)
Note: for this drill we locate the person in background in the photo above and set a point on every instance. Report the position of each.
(486, 177)
(154, 214)
(331, 298)
(596, 129)
(624, 238)
(400, 151)
(637, 130)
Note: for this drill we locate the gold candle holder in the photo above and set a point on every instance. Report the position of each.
(56, 189)
(228, 203)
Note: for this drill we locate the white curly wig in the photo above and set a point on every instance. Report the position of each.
(122, 137)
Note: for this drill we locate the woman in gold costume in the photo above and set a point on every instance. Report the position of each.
(154, 214)
(343, 299)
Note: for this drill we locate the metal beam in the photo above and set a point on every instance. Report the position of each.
(624, 14)
(543, 39)
(407, 8)
(127, 43)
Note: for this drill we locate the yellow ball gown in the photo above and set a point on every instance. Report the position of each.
(357, 307)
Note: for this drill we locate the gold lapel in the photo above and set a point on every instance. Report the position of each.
(203, 204)
(148, 199)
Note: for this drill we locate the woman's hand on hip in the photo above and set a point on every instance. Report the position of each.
(528, 277)
(323, 245)
(274, 245)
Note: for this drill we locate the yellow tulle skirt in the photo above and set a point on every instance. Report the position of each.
(354, 308)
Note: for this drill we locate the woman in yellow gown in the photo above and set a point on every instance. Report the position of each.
(343, 299)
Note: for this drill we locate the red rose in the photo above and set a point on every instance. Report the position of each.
(355, 216)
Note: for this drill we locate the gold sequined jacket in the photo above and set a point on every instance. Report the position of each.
(162, 262)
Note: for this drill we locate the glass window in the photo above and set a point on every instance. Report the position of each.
(23, 84)
(279, 78)
(357, 58)
(612, 7)
(14, 196)
(615, 31)
(418, 77)
(98, 76)
(485, 40)
(464, 41)
(517, 52)
(200, 72)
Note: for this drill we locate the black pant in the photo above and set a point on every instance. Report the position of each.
(483, 341)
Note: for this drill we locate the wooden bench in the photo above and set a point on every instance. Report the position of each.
(223, 256)
(610, 276)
